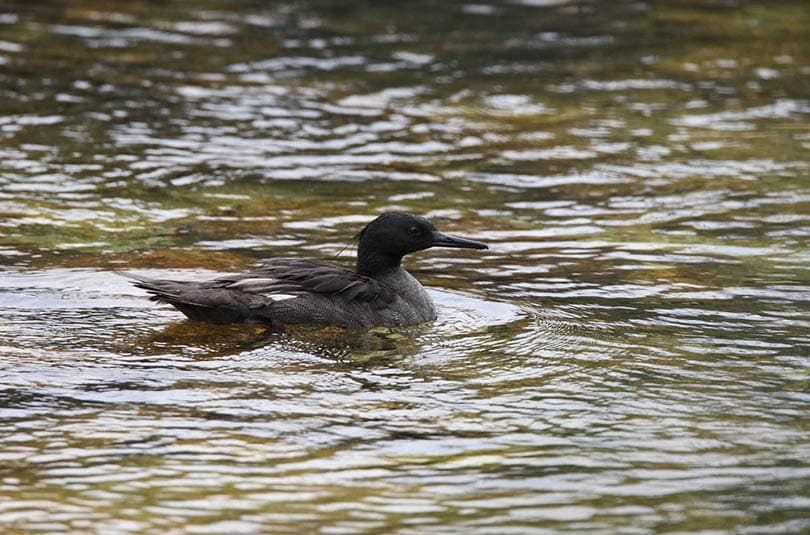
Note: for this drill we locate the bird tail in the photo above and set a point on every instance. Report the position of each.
(197, 300)
(163, 290)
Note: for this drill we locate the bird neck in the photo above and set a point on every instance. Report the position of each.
(372, 262)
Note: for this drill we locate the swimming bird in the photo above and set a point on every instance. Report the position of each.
(285, 291)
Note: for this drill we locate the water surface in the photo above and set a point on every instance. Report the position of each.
(631, 354)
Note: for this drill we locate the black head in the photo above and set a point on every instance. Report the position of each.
(384, 241)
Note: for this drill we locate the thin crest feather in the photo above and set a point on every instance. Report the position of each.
(354, 241)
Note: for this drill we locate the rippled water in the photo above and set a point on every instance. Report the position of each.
(631, 355)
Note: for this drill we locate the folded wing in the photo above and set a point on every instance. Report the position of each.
(252, 295)
(297, 276)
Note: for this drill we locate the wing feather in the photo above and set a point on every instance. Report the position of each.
(297, 276)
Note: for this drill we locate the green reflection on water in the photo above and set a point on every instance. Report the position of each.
(640, 170)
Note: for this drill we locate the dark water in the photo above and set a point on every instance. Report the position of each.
(630, 356)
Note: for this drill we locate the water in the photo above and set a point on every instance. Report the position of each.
(631, 354)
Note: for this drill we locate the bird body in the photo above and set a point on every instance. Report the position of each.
(300, 291)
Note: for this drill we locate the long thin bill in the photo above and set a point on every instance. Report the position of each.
(445, 240)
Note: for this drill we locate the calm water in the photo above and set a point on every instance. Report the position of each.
(631, 355)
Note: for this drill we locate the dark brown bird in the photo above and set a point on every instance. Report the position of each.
(289, 290)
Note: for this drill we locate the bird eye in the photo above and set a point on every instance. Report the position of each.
(413, 230)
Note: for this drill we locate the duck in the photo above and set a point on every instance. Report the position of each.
(287, 291)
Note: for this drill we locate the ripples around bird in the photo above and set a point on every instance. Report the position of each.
(630, 355)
